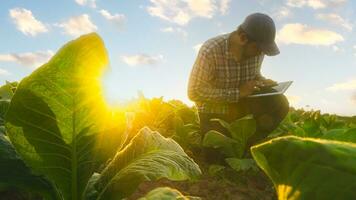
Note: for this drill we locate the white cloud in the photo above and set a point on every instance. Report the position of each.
(315, 4)
(90, 3)
(169, 10)
(202, 8)
(336, 20)
(4, 72)
(26, 22)
(303, 34)
(349, 85)
(224, 6)
(282, 12)
(78, 25)
(141, 59)
(174, 30)
(117, 19)
(29, 59)
(182, 11)
(197, 47)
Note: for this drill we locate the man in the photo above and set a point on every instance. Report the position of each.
(227, 70)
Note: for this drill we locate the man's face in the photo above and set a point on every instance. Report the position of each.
(251, 50)
(249, 47)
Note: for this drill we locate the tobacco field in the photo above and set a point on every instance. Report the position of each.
(59, 140)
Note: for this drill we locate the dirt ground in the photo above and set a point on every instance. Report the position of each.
(228, 185)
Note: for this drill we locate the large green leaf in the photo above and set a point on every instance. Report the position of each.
(346, 135)
(15, 174)
(58, 119)
(166, 193)
(149, 156)
(305, 168)
(241, 130)
(217, 140)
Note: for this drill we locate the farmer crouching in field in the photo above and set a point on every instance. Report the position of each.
(227, 70)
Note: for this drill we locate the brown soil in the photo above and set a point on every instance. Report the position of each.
(229, 185)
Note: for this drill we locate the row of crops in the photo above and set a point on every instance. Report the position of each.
(60, 140)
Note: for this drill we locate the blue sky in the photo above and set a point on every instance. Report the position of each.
(153, 44)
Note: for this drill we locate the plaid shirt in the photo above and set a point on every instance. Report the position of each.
(216, 76)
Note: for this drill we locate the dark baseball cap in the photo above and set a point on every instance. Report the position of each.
(261, 29)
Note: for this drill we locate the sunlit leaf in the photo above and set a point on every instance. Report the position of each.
(149, 156)
(308, 169)
(58, 118)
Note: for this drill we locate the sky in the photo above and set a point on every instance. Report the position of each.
(153, 44)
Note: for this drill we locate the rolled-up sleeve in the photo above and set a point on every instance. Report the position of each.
(201, 87)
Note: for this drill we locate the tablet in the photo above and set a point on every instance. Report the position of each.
(275, 90)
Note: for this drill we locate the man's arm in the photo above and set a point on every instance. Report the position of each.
(200, 87)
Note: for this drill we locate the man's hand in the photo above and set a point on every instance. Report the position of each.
(248, 88)
(266, 83)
